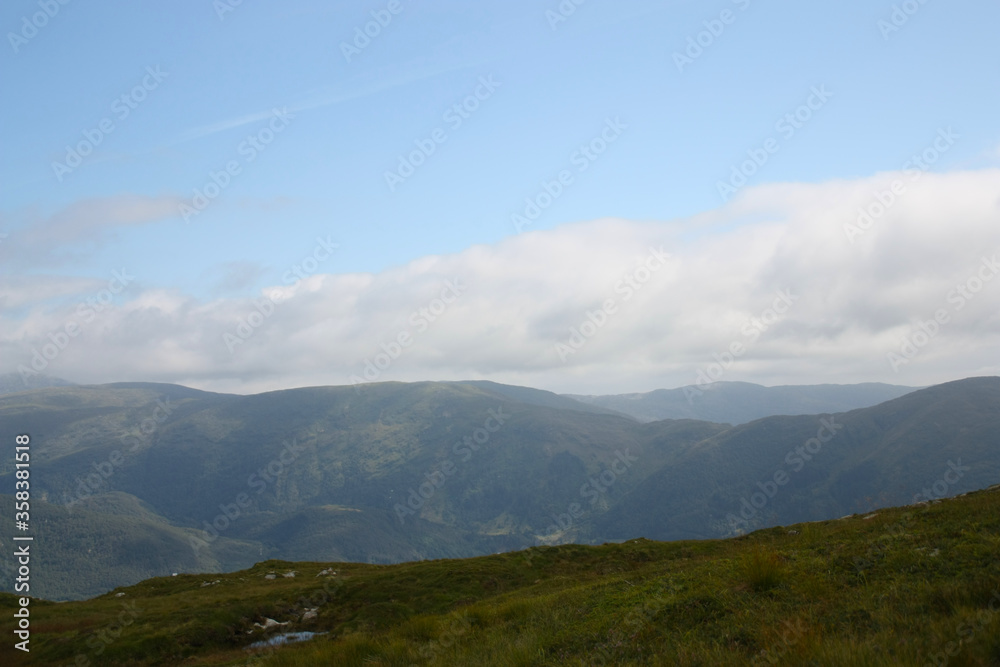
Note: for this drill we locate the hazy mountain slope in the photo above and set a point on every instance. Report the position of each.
(541, 398)
(878, 456)
(12, 383)
(91, 549)
(392, 471)
(741, 402)
(901, 587)
(378, 473)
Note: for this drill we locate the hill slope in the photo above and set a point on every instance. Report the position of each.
(380, 473)
(741, 402)
(932, 443)
(905, 586)
(393, 472)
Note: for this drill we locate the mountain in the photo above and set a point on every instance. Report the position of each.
(741, 402)
(377, 473)
(392, 472)
(931, 443)
(902, 586)
(12, 383)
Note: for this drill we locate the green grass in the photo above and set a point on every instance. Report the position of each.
(903, 587)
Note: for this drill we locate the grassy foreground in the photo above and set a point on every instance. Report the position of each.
(916, 586)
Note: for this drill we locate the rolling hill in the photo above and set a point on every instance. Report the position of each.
(904, 586)
(394, 472)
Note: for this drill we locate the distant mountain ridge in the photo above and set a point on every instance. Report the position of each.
(140, 479)
(12, 383)
(741, 402)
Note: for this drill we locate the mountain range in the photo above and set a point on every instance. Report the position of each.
(741, 402)
(136, 480)
(909, 586)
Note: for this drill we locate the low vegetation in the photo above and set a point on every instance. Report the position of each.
(914, 586)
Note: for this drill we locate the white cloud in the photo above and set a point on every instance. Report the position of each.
(37, 241)
(854, 303)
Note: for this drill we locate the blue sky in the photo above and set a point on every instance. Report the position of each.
(555, 86)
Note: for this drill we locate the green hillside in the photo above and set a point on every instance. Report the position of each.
(110, 540)
(879, 456)
(904, 586)
(393, 472)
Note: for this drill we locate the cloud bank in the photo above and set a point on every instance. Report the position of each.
(889, 278)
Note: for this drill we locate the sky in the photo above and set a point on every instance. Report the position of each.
(579, 196)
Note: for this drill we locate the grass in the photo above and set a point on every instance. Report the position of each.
(908, 586)
(761, 568)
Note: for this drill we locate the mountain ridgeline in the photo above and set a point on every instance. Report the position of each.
(137, 480)
(741, 402)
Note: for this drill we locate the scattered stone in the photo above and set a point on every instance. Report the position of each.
(270, 576)
(793, 532)
(290, 575)
(118, 595)
(870, 516)
(309, 615)
(269, 623)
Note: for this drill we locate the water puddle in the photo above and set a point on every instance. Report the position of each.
(286, 638)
